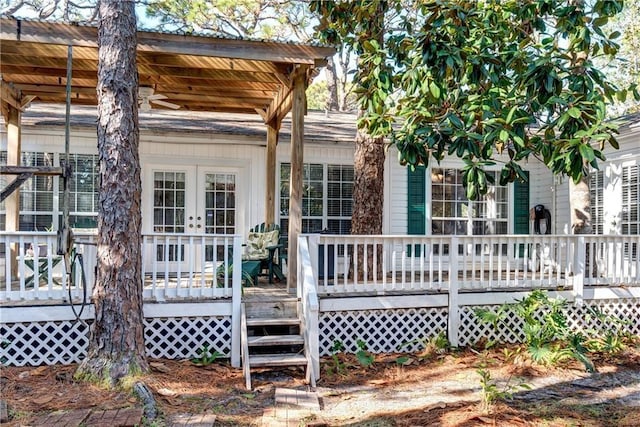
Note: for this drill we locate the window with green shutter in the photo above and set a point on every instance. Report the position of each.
(521, 206)
(416, 219)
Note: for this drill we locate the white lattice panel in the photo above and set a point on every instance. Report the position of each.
(471, 330)
(43, 343)
(182, 337)
(383, 331)
(49, 343)
(627, 310)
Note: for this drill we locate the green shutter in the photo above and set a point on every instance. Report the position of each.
(416, 201)
(521, 209)
(416, 219)
(521, 206)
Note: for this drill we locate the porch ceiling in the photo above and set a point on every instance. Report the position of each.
(195, 72)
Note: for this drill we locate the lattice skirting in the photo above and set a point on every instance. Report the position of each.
(471, 330)
(383, 331)
(65, 342)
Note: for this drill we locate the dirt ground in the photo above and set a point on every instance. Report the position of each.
(397, 390)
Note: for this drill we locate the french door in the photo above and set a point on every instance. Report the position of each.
(189, 200)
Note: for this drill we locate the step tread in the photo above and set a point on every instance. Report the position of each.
(271, 321)
(266, 360)
(275, 340)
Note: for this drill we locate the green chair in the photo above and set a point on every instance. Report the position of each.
(263, 244)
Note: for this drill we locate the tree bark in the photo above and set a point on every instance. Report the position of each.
(580, 202)
(368, 186)
(116, 345)
(368, 197)
(332, 85)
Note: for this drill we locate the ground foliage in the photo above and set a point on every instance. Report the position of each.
(401, 380)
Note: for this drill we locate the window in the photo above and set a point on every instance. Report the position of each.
(597, 201)
(168, 202)
(36, 194)
(631, 199)
(83, 189)
(220, 203)
(327, 199)
(453, 214)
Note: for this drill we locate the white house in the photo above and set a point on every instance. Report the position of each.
(207, 179)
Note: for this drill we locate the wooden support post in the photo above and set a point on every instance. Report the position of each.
(12, 203)
(295, 187)
(273, 128)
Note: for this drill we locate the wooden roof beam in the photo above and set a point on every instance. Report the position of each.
(11, 95)
(12, 29)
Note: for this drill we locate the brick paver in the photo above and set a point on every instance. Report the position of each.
(127, 417)
(63, 418)
(191, 420)
(290, 408)
(115, 417)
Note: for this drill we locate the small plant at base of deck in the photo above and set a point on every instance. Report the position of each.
(205, 356)
(546, 331)
(338, 367)
(437, 344)
(365, 358)
(490, 390)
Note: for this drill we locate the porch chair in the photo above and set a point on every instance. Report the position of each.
(263, 245)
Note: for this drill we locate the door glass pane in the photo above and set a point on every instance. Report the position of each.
(169, 202)
(220, 212)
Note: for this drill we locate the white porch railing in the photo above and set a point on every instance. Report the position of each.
(502, 262)
(309, 308)
(173, 266)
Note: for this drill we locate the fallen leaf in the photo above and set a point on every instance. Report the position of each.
(42, 400)
(166, 392)
(160, 367)
(437, 405)
(23, 375)
(39, 371)
(378, 382)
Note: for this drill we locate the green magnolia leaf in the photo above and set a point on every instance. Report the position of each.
(574, 112)
(434, 89)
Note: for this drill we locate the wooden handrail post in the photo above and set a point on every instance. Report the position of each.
(580, 270)
(454, 309)
(236, 301)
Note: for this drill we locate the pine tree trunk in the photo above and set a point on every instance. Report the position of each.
(368, 197)
(332, 85)
(580, 202)
(368, 186)
(116, 346)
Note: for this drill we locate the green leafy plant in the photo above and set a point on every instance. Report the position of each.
(221, 272)
(437, 344)
(337, 365)
(365, 358)
(547, 335)
(491, 391)
(205, 356)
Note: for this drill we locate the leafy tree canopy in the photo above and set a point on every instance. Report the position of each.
(271, 19)
(489, 81)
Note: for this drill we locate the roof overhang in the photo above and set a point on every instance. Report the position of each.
(197, 73)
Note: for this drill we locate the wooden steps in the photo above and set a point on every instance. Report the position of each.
(271, 336)
(267, 340)
(274, 360)
(263, 321)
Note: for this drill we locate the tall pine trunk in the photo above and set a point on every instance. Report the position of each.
(368, 200)
(368, 186)
(332, 85)
(116, 346)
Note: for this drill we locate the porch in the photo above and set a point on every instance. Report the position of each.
(417, 287)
